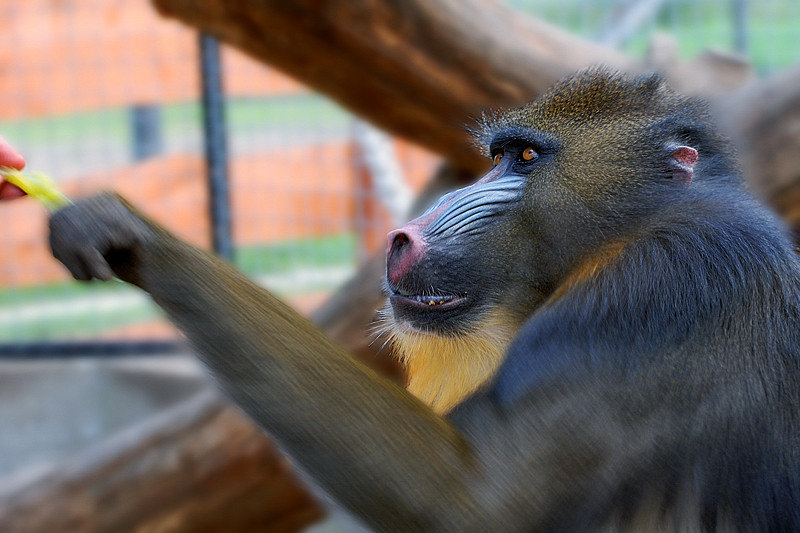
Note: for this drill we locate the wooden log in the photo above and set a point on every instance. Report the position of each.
(198, 467)
(763, 119)
(711, 74)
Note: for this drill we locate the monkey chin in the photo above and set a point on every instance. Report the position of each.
(443, 369)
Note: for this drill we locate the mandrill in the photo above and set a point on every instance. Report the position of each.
(602, 334)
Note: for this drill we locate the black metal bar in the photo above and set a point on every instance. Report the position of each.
(216, 151)
(67, 350)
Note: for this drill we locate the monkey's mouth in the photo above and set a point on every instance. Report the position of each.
(438, 302)
(428, 313)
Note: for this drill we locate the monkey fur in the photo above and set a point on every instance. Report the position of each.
(603, 332)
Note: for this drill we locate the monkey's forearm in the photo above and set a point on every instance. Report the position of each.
(365, 438)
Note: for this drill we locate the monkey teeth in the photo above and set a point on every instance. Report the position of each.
(416, 302)
(433, 300)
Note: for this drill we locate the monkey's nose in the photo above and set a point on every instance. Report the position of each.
(405, 250)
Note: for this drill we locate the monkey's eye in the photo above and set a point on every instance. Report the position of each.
(529, 154)
(497, 158)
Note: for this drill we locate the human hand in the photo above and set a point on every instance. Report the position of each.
(10, 158)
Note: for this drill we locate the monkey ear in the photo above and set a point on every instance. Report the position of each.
(680, 164)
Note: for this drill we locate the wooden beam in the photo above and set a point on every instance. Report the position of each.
(420, 69)
(199, 467)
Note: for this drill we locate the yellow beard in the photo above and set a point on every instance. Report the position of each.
(443, 371)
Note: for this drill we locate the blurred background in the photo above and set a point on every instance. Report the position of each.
(106, 94)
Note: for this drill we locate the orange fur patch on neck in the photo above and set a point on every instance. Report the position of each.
(443, 371)
(590, 267)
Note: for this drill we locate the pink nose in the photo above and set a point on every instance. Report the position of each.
(405, 250)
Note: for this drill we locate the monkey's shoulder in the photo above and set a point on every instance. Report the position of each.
(711, 282)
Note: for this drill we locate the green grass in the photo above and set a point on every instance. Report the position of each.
(576, 16)
(68, 322)
(59, 291)
(319, 252)
(78, 325)
(299, 110)
(771, 32)
(109, 123)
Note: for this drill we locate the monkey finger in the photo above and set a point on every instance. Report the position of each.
(76, 267)
(85, 266)
(83, 263)
(96, 265)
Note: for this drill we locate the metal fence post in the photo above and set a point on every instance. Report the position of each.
(216, 151)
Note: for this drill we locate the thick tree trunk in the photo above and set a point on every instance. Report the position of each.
(763, 120)
(199, 467)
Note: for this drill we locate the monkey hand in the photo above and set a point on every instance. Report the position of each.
(100, 237)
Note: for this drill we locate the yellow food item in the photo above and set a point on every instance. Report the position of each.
(37, 185)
